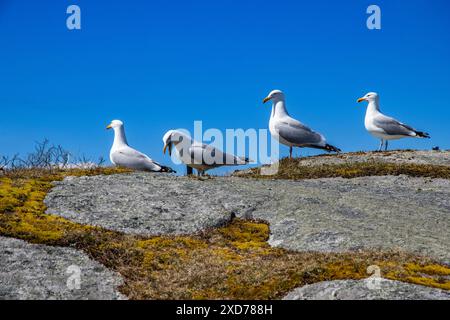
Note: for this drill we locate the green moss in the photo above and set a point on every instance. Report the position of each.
(231, 262)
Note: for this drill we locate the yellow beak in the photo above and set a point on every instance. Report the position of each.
(266, 99)
(361, 100)
(170, 149)
(108, 126)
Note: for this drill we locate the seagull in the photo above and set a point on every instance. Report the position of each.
(291, 132)
(384, 127)
(123, 155)
(199, 156)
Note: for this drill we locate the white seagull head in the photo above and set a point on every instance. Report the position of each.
(172, 137)
(115, 124)
(369, 97)
(275, 95)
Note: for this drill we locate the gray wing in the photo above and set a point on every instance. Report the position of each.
(130, 158)
(297, 133)
(392, 126)
(212, 156)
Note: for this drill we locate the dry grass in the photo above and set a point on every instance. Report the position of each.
(292, 169)
(231, 262)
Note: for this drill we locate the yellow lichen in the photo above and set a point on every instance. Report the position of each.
(429, 269)
(430, 275)
(246, 234)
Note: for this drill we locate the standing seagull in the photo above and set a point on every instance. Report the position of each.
(291, 132)
(384, 127)
(123, 155)
(198, 155)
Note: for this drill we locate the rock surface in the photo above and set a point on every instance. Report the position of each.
(440, 158)
(411, 214)
(366, 290)
(29, 272)
(414, 157)
(335, 214)
(146, 203)
(338, 214)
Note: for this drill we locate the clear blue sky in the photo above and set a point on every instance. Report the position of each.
(158, 65)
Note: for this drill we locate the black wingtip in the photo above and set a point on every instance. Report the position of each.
(331, 148)
(423, 135)
(167, 169)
